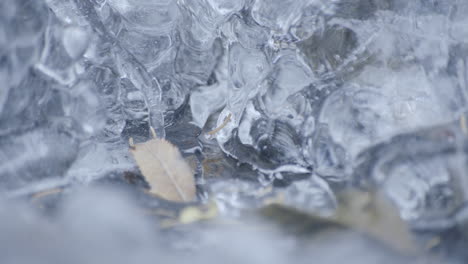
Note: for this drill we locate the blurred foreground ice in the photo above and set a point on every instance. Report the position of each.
(103, 226)
(307, 95)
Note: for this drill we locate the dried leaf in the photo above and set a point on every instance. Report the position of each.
(165, 170)
(40, 198)
(194, 214)
(375, 215)
(298, 222)
(46, 193)
(367, 213)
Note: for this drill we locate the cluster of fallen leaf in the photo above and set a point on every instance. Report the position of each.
(368, 214)
(171, 178)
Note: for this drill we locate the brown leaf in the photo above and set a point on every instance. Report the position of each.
(369, 213)
(165, 170)
(375, 215)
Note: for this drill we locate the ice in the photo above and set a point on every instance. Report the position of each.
(135, 28)
(147, 49)
(133, 101)
(326, 50)
(196, 66)
(22, 24)
(257, 126)
(107, 227)
(38, 139)
(154, 17)
(75, 41)
(114, 218)
(311, 195)
(245, 31)
(64, 46)
(130, 68)
(203, 19)
(110, 95)
(279, 16)
(289, 76)
(330, 159)
(362, 9)
(257, 137)
(18, 111)
(206, 100)
(366, 116)
(422, 172)
(247, 68)
(83, 104)
(291, 101)
(210, 13)
(67, 12)
(46, 152)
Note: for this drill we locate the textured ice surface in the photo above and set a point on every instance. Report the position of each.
(292, 97)
(423, 172)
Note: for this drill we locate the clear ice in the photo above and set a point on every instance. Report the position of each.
(303, 95)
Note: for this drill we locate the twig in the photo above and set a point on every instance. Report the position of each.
(463, 124)
(227, 119)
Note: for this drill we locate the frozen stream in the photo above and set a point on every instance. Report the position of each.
(295, 101)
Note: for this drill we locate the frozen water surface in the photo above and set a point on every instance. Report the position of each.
(292, 101)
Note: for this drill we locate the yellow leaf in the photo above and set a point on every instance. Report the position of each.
(165, 170)
(193, 214)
